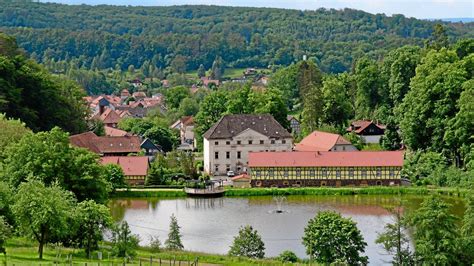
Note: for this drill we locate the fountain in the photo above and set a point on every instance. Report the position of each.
(279, 200)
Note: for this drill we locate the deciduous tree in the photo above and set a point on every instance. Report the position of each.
(248, 243)
(329, 237)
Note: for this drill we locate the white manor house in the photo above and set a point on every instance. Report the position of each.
(228, 142)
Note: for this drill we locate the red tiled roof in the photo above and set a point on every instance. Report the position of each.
(106, 144)
(241, 177)
(139, 94)
(187, 120)
(329, 159)
(360, 125)
(125, 93)
(115, 132)
(109, 116)
(320, 141)
(131, 165)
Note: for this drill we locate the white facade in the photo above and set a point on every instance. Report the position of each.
(223, 155)
(344, 147)
(371, 138)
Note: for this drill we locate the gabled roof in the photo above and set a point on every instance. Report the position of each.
(106, 144)
(109, 116)
(320, 141)
(230, 126)
(359, 126)
(326, 159)
(115, 132)
(187, 120)
(131, 165)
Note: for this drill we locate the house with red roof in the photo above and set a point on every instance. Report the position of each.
(324, 141)
(368, 131)
(107, 145)
(115, 132)
(135, 168)
(324, 168)
(109, 117)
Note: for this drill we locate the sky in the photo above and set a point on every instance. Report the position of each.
(411, 8)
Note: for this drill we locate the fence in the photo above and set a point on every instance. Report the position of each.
(137, 262)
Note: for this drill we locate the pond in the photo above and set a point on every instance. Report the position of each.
(209, 225)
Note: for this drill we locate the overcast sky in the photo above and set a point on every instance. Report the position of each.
(410, 8)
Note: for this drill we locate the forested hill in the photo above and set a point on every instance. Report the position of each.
(186, 36)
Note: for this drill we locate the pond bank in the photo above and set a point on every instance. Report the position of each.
(240, 192)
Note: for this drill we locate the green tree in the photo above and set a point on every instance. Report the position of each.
(188, 107)
(92, 219)
(12, 131)
(6, 201)
(124, 243)
(288, 256)
(175, 95)
(313, 106)
(115, 176)
(467, 233)
(217, 69)
(337, 109)
(395, 239)
(248, 243)
(369, 85)
(435, 233)
(438, 39)
(211, 110)
(5, 234)
(271, 102)
(201, 72)
(329, 237)
(419, 166)
(49, 157)
(174, 236)
(43, 212)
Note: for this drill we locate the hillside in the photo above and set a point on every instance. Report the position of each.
(186, 36)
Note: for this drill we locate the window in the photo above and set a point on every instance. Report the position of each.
(261, 141)
(250, 142)
(283, 141)
(343, 148)
(379, 172)
(238, 155)
(338, 173)
(227, 168)
(363, 173)
(216, 143)
(238, 142)
(311, 173)
(391, 173)
(324, 172)
(216, 168)
(227, 154)
(216, 155)
(272, 141)
(257, 173)
(227, 142)
(298, 172)
(285, 173)
(351, 172)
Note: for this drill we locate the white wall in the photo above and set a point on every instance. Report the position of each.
(233, 148)
(344, 147)
(371, 139)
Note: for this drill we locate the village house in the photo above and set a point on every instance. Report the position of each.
(228, 142)
(135, 168)
(206, 82)
(107, 145)
(185, 125)
(294, 124)
(115, 132)
(324, 141)
(368, 131)
(360, 168)
(109, 117)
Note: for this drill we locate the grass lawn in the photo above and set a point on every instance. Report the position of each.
(21, 251)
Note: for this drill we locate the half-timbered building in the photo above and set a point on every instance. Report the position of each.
(294, 169)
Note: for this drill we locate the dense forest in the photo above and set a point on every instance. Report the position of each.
(184, 37)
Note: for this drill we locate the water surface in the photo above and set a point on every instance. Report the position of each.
(209, 225)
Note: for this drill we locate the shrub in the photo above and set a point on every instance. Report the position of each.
(288, 256)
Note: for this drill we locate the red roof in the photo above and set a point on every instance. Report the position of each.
(241, 177)
(106, 144)
(329, 159)
(360, 125)
(187, 120)
(320, 141)
(109, 116)
(131, 165)
(115, 132)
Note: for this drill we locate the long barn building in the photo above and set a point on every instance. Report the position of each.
(359, 168)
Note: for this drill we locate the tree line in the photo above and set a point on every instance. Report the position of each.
(184, 37)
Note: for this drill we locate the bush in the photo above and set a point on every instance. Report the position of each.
(155, 244)
(288, 256)
(124, 243)
(248, 243)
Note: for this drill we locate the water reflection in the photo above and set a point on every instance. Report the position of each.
(209, 225)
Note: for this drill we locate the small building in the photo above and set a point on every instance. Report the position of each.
(241, 181)
(228, 142)
(135, 168)
(368, 131)
(115, 132)
(360, 168)
(109, 117)
(185, 125)
(324, 141)
(295, 125)
(149, 147)
(107, 145)
(124, 94)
